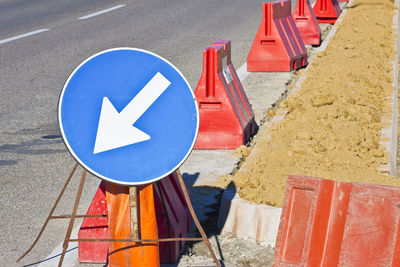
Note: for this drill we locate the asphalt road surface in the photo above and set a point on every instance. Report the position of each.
(41, 42)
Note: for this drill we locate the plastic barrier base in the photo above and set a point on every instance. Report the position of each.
(330, 223)
(226, 117)
(278, 45)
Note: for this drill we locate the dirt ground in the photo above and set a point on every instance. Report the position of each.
(228, 248)
(333, 125)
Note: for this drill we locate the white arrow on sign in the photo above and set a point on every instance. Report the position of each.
(116, 129)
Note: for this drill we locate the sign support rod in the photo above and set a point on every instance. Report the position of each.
(51, 212)
(134, 209)
(72, 219)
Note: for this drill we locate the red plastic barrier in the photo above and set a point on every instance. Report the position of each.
(173, 217)
(226, 116)
(306, 23)
(173, 220)
(94, 252)
(329, 223)
(278, 45)
(327, 11)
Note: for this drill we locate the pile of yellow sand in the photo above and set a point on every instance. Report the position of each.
(333, 126)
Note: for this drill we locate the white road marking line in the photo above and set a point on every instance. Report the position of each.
(100, 12)
(22, 36)
(242, 72)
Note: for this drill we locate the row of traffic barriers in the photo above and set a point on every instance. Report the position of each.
(226, 116)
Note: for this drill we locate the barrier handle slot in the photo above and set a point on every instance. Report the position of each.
(268, 42)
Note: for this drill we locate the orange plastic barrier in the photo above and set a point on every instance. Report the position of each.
(306, 23)
(173, 220)
(126, 253)
(226, 116)
(278, 45)
(330, 223)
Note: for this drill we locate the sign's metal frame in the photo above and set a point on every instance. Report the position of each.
(134, 238)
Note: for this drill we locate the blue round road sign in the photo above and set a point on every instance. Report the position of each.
(128, 116)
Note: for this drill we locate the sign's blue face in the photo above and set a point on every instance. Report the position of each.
(128, 116)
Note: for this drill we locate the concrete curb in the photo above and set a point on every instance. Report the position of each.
(389, 134)
(248, 220)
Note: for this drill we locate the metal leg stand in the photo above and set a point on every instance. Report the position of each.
(73, 215)
(51, 212)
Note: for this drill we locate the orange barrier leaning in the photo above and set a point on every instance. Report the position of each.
(331, 223)
(127, 253)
